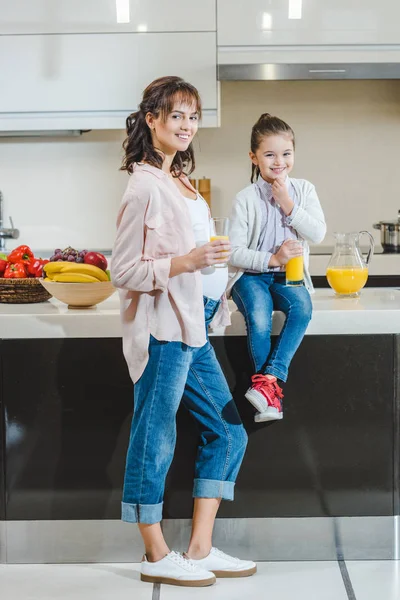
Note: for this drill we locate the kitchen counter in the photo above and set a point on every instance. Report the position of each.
(323, 480)
(376, 311)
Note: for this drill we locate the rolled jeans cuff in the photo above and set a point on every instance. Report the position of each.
(141, 513)
(212, 488)
(276, 373)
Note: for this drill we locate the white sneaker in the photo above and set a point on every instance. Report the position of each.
(271, 414)
(223, 565)
(175, 569)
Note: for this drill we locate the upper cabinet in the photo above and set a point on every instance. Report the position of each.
(308, 22)
(87, 81)
(83, 64)
(105, 16)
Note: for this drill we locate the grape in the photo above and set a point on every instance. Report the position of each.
(52, 258)
(58, 251)
(84, 252)
(71, 258)
(79, 259)
(59, 260)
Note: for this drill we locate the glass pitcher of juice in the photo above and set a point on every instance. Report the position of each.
(347, 271)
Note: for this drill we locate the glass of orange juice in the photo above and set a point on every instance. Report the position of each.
(220, 231)
(295, 269)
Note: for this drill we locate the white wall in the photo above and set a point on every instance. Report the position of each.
(63, 191)
(67, 190)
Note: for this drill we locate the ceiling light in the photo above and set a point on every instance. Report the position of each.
(266, 21)
(123, 15)
(295, 8)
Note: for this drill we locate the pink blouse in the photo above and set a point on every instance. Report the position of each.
(153, 226)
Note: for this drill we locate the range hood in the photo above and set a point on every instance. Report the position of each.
(43, 133)
(281, 71)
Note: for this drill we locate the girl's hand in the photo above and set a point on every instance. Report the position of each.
(281, 195)
(212, 253)
(289, 249)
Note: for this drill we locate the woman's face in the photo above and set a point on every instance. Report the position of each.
(274, 157)
(175, 133)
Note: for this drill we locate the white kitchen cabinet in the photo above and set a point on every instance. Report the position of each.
(322, 22)
(105, 16)
(88, 81)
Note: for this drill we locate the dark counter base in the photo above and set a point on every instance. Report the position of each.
(66, 410)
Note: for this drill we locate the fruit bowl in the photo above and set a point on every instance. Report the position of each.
(79, 295)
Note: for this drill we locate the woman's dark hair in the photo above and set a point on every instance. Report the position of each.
(158, 99)
(265, 126)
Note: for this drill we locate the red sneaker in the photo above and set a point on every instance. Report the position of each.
(266, 396)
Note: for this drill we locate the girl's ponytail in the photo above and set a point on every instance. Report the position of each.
(255, 172)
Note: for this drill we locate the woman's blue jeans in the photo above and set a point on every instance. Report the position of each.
(179, 373)
(257, 296)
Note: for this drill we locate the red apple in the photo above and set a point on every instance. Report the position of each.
(96, 259)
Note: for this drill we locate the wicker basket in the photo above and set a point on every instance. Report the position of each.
(22, 291)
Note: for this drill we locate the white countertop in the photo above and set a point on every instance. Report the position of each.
(377, 310)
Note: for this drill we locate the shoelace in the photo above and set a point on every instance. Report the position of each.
(182, 561)
(270, 389)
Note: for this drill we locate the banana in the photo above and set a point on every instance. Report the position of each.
(52, 267)
(66, 267)
(74, 278)
(85, 270)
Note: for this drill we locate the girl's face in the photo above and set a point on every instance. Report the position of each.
(274, 156)
(175, 132)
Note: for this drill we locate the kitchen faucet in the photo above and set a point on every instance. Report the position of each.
(9, 233)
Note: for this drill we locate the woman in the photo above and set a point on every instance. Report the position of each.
(156, 267)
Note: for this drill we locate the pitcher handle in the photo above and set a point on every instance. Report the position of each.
(371, 245)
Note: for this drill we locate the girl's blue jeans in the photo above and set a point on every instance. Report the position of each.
(178, 373)
(257, 296)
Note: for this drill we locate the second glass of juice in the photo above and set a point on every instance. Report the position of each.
(295, 269)
(220, 231)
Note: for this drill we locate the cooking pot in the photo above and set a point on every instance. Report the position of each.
(390, 234)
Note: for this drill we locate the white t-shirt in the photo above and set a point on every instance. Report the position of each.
(214, 279)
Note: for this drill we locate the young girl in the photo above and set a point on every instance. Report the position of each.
(156, 266)
(269, 219)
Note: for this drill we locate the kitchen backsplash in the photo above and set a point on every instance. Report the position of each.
(67, 190)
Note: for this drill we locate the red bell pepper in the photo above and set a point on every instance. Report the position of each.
(3, 265)
(19, 254)
(35, 267)
(30, 266)
(15, 271)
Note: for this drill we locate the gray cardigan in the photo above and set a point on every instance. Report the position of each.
(245, 225)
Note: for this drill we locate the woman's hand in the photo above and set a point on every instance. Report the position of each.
(212, 253)
(208, 255)
(289, 249)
